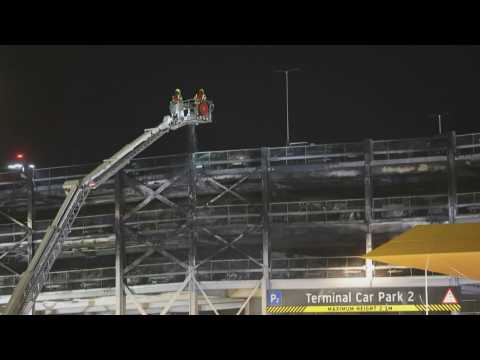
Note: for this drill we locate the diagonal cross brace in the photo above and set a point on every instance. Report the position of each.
(8, 268)
(150, 252)
(219, 251)
(157, 248)
(150, 194)
(176, 294)
(249, 297)
(138, 260)
(205, 296)
(227, 190)
(150, 197)
(174, 258)
(12, 219)
(14, 246)
(139, 306)
(230, 188)
(229, 245)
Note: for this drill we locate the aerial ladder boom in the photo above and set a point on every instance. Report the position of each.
(33, 279)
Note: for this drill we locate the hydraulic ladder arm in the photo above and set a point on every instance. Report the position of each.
(33, 279)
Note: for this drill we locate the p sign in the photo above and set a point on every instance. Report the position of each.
(274, 298)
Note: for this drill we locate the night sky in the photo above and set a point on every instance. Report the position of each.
(77, 104)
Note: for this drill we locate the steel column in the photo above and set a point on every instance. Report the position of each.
(265, 228)
(193, 301)
(368, 248)
(368, 193)
(30, 212)
(30, 216)
(192, 138)
(192, 256)
(452, 180)
(120, 307)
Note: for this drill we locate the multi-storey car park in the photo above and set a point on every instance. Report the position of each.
(212, 232)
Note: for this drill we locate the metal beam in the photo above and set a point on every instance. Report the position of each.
(205, 296)
(368, 193)
(192, 255)
(175, 296)
(121, 304)
(452, 178)
(227, 190)
(30, 216)
(230, 244)
(150, 194)
(139, 260)
(265, 228)
(391, 282)
(173, 258)
(247, 301)
(311, 283)
(8, 268)
(30, 212)
(14, 246)
(192, 289)
(12, 219)
(369, 267)
(156, 248)
(139, 306)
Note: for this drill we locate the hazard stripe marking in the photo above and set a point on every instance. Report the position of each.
(360, 308)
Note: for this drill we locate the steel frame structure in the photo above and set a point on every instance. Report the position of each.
(195, 211)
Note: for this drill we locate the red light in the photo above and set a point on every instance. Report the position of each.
(19, 156)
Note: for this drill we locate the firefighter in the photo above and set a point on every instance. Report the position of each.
(176, 105)
(200, 97)
(177, 97)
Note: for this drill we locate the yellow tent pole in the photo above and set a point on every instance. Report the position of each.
(426, 285)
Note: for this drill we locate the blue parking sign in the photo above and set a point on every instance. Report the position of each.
(274, 298)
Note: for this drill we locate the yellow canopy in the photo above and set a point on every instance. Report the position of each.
(452, 249)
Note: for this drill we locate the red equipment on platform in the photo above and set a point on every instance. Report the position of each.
(203, 109)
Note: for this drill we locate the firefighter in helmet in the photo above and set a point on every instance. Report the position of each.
(177, 97)
(200, 97)
(176, 105)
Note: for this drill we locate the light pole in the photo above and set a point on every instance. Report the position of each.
(286, 90)
(439, 118)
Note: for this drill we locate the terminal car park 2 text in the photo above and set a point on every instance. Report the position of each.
(361, 298)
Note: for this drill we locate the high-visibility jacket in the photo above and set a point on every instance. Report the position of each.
(177, 98)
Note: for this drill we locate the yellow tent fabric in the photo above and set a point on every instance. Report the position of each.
(451, 249)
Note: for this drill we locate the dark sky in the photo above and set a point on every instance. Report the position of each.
(76, 104)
